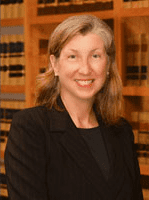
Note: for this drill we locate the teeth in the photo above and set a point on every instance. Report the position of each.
(84, 82)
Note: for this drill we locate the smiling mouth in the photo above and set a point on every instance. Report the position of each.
(85, 82)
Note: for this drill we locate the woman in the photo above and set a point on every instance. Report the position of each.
(74, 144)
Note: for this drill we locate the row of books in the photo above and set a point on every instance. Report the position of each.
(12, 45)
(12, 62)
(3, 184)
(12, 71)
(7, 110)
(11, 9)
(140, 125)
(49, 7)
(42, 3)
(135, 3)
(137, 59)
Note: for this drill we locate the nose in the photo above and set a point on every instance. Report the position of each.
(85, 67)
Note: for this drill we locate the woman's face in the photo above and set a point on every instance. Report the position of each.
(82, 67)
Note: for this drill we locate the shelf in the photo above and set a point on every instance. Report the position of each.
(144, 169)
(136, 91)
(13, 89)
(134, 12)
(12, 22)
(49, 19)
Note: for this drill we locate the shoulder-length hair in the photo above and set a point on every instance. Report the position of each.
(108, 101)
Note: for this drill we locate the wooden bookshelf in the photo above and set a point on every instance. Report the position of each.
(12, 89)
(39, 27)
(41, 20)
(136, 91)
(12, 22)
(144, 169)
(134, 12)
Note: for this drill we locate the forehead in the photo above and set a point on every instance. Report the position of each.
(87, 42)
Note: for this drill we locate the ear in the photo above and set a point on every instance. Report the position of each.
(54, 64)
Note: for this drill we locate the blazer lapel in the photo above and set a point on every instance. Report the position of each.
(78, 150)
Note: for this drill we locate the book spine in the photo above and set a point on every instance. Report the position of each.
(135, 125)
(15, 9)
(136, 59)
(21, 9)
(2, 13)
(126, 4)
(145, 3)
(129, 60)
(136, 4)
(144, 129)
(144, 59)
(5, 59)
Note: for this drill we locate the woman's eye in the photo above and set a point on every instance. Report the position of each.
(72, 56)
(96, 56)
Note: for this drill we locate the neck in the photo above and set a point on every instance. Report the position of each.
(81, 112)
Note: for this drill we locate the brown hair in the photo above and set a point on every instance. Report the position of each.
(109, 99)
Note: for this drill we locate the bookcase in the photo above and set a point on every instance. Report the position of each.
(130, 20)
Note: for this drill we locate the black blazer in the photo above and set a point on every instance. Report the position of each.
(47, 159)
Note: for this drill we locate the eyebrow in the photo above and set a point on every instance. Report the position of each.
(91, 50)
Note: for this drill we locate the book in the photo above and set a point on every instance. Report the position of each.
(144, 59)
(136, 3)
(21, 9)
(4, 60)
(129, 60)
(145, 3)
(144, 121)
(4, 5)
(126, 4)
(10, 9)
(135, 125)
(136, 59)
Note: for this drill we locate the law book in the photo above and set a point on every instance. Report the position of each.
(15, 9)
(4, 4)
(5, 127)
(12, 58)
(17, 63)
(10, 9)
(145, 3)
(21, 70)
(129, 60)
(144, 121)
(126, 4)
(20, 9)
(144, 59)
(136, 3)
(2, 7)
(4, 46)
(135, 125)
(5, 59)
(136, 59)
(20, 44)
(12, 45)
(5, 71)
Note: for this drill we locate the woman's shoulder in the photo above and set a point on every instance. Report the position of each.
(30, 112)
(33, 115)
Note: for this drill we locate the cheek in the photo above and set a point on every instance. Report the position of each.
(101, 71)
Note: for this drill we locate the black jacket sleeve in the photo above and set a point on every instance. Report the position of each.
(25, 158)
(138, 189)
(130, 140)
